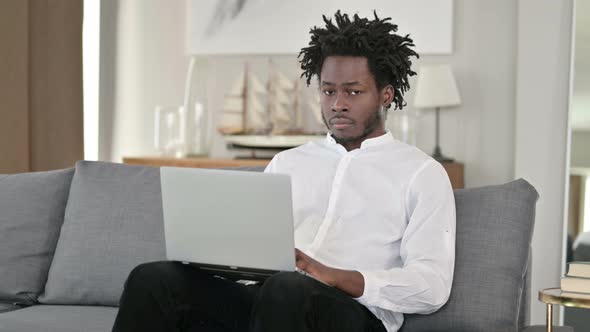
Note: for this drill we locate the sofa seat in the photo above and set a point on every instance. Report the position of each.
(59, 318)
(4, 307)
(543, 328)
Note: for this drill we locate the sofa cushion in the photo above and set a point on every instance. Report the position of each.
(113, 222)
(543, 328)
(5, 307)
(31, 214)
(50, 318)
(494, 231)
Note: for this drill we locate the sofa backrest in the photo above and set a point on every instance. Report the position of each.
(31, 214)
(494, 231)
(524, 314)
(113, 222)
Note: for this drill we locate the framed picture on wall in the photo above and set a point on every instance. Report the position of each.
(282, 27)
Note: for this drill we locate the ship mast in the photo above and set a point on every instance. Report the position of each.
(245, 97)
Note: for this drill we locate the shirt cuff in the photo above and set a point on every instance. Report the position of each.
(371, 291)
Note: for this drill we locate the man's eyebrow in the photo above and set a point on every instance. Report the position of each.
(352, 83)
(344, 84)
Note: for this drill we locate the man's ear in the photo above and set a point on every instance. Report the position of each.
(387, 94)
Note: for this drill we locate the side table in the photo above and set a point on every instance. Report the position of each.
(551, 296)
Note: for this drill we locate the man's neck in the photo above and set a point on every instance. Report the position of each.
(356, 144)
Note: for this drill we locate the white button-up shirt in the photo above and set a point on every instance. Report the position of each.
(386, 210)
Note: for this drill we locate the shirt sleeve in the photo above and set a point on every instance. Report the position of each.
(272, 165)
(423, 283)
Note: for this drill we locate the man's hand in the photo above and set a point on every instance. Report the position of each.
(351, 282)
(320, 271)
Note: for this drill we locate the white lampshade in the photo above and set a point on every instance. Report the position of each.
(436, 87)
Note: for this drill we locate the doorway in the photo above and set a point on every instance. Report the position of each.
(578, 219)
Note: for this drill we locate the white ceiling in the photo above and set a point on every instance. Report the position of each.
(581, 93)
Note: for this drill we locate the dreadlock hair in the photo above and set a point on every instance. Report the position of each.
(388, 55)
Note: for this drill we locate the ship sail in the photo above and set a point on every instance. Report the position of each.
(242, 112)
(279, 107)
(233, 108)
(283, 100)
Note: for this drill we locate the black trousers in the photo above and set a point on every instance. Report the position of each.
(169, 296)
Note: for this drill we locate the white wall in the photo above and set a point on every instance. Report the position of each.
(480, 132)
(142, 65)
(147, 67)
(91, 78)
(581, 92)
(542, 105)
(580, 149)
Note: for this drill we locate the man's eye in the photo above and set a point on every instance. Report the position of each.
(355, 93)
(328, 92)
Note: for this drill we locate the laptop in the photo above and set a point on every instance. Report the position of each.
(234, 224)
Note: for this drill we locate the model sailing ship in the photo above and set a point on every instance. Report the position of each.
(242, 110)
(268, 116)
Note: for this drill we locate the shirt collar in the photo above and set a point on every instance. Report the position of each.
(369, 142)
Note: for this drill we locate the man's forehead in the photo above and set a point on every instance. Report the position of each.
(351, 83)
(345, 70)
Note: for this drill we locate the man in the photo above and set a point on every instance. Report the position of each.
(374, 217)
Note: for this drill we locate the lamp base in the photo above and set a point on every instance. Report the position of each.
(438, 156)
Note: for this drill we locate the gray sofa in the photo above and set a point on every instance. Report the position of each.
(69, 238)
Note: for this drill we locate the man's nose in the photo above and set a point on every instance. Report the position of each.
(340, 103)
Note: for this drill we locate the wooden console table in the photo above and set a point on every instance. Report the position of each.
(454, 169)
(194, 162)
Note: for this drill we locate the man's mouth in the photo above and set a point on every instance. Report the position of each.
(340, 123)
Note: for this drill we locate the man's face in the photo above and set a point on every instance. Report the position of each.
(351, 104)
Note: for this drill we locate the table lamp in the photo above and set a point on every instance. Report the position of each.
(435, 89)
